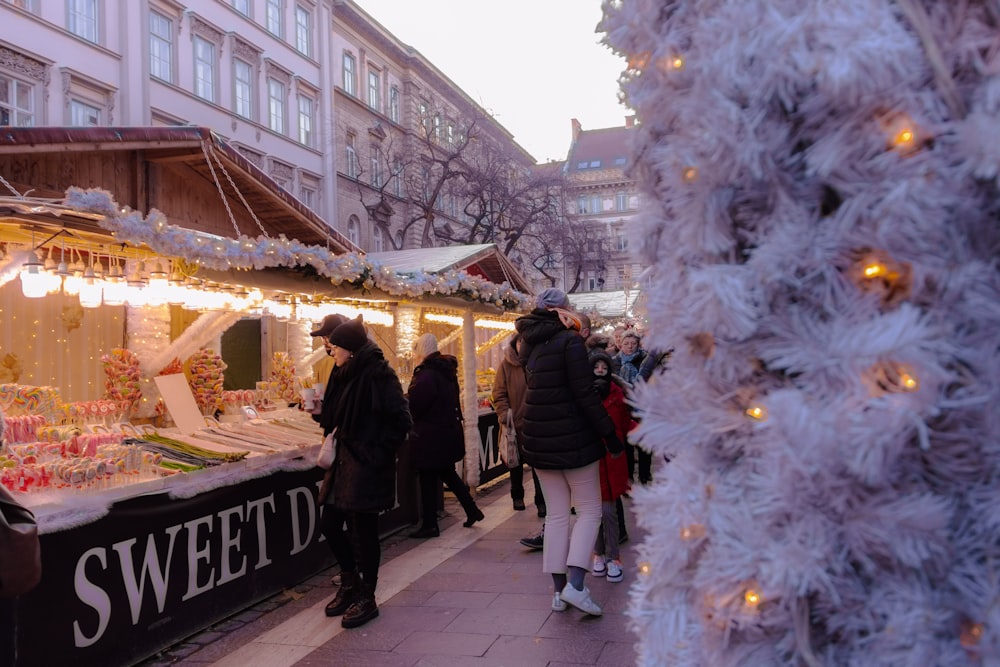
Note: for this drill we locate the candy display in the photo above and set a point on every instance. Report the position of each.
(205, 374)
(283, 375)
(121, 381)
(20, 399)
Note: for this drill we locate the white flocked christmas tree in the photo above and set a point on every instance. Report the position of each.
(821, 223)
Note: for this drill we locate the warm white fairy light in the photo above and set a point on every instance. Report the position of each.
(756, 412)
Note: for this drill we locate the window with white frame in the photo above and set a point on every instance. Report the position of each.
(596, 205)
(350, 74)
(351, 156)
(276, 105)
(397, 176)
(307, 195)
(82, 19)
(243, 88)
(161, 47)
(621, 241)
(581, 205)
(82, 114)
(376, 161)
(450, 134)
(273, 15)
(306, 111)
(303, 30)
(242, 6)
(399, 240)
(354, 230)
(374, 86)
(378, 239)
(591, 281)
(23, 4)
(621, 201)
(394, 104)
(204, 68)
(17, 102)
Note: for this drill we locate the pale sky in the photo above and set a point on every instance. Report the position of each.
(535, 64)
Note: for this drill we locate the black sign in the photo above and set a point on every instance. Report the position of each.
(490, 464)
(156, 570)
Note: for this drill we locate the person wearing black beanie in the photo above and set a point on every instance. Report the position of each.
(370, 420)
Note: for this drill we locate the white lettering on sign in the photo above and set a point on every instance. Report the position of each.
(199, 539)
(485, 460)
(92, 596)
(299, 541)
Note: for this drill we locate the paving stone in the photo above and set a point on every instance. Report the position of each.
(520, 650)
(447, 643)
(500, 621)
(464, 599)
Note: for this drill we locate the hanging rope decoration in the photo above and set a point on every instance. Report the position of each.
(218, 186)
(211, 151)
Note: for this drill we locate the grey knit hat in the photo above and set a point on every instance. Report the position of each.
(552, 297)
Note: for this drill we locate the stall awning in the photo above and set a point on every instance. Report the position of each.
(606, 304)
(484, 260)
(29, 159)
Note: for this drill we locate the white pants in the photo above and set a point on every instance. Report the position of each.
(579, 488)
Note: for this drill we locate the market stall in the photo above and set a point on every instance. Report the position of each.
(125, 266)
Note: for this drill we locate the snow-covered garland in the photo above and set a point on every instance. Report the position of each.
(263, 252)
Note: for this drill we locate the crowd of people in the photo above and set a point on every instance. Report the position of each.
(566, 392)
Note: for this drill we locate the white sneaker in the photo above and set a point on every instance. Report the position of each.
(598, 570)
(615, 573)
(557, 603)
(581, 600)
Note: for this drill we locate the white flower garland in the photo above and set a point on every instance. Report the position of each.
(222, 253)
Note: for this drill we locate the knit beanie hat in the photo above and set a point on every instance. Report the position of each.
(425, 346)
(350, 335)
(550, 298)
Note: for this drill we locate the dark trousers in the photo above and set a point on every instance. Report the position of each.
(429, 487)
(353, 539)
(517, 485)
(636, 456)
(8, 631)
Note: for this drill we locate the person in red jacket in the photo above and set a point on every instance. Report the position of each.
(613, 472)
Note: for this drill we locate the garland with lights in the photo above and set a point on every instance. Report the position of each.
(262, 252)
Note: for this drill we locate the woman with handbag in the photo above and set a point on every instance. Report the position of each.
(437, 441)
(370, 417)
(508, 401)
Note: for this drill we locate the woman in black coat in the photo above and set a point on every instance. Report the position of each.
(437, 441)
(370, 419)
(566, 433)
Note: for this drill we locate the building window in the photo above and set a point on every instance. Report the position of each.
(276, 105)
(17, 102)
(242, 6)
(161, 47)
(273, 13)
(621, 201)
(437, 128)
(450, 134)
(591, 281)
(378, 240)
(349, 75)
(82, 15)
(397, 177)
(305, 120)
(596, 205)
(399, 240)
(23, 4)
(374, 100)
(352, 157)
(83, 115)
(394, 104)
(621, 242)
(354, 231)
(303, 30)
(581, 205)
(243, 88)
(308, 197)
(376, 168)
(204, 68)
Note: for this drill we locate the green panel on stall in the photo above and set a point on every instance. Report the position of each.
(241, 352)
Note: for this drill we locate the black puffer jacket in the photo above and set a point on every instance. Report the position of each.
(565, 424)
(437, 439)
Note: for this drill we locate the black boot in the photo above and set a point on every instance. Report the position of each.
(363, 610)
(347, 594)
(426, 531)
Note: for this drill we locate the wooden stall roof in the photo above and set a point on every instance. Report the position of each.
(182, 148)
(484, 260)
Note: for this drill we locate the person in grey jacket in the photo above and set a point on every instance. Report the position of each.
(566, 433)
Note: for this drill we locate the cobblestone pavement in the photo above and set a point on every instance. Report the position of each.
(466, 598)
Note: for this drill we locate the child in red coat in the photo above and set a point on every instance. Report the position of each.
(614, 470)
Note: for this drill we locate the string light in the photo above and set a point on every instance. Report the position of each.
(690, 174)
(752, 598)
(645, 569)
(756, 412)
(695, 531)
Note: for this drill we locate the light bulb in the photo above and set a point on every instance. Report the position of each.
(752, 598)
(690, 174)
(874, 270)
(34, 283)
(91, 289)
(756, 412)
